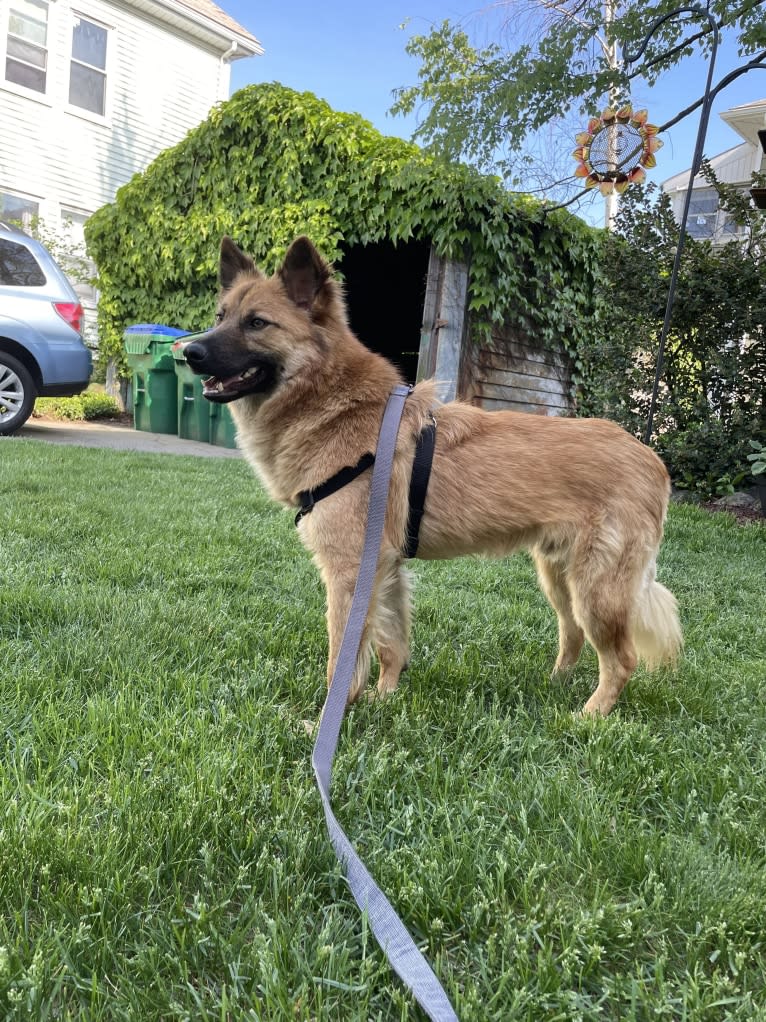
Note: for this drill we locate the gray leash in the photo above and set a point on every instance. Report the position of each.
(389, 930)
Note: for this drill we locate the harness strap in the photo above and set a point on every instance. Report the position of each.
(421, 473)
(308, 498)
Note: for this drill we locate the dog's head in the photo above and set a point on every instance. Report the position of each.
(267, 329)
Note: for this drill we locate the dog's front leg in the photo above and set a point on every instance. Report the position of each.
(390, 623)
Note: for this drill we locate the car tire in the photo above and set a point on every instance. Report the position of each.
(17, 394)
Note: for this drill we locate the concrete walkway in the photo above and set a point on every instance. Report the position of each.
(118, 438)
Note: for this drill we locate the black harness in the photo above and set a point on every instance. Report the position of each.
(421, 473)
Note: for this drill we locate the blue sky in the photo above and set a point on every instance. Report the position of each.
(352, 54)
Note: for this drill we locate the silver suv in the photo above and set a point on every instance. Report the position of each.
(41, 347)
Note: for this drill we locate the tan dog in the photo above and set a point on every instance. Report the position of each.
(586, 498)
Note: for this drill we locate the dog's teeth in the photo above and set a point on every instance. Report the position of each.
(219, 385)
(248, 372)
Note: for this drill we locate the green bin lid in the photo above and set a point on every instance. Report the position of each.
(139, 339)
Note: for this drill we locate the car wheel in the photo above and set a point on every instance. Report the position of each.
(17, 394)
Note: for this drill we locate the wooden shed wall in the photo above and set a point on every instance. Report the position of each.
(510, 371)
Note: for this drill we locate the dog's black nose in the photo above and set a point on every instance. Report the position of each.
(196, 355)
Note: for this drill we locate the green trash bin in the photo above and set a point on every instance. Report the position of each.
(198, 418)
(193, 408)
(223, 432)
(147, 348)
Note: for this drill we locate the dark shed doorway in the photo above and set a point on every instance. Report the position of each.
(385, 292)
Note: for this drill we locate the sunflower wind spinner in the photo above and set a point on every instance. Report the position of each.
(615, 149)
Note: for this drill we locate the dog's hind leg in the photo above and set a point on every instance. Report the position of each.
(390, 624)
(616, 662)
(603, 602)
(553, 583)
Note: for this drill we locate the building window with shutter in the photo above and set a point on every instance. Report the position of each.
(26, 54)
(87, 68)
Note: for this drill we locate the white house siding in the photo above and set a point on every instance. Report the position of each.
(732, 167)
(159, 86)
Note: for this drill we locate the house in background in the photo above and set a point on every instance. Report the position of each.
(92, 91)
(706, 221)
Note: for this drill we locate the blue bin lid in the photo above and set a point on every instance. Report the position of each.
(155, 328)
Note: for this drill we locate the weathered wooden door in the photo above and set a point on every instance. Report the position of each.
(444, 323)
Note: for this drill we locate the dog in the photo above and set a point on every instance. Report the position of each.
(583, 496)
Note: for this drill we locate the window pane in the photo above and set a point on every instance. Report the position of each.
(74, 222)
(29, 18)
(26, 56)
(13, 207)
(22, 74)
(27, 28)
(701, 226)
(27, 52)
(703, 202)
(89, 43)
(18, 266)
(87, 88)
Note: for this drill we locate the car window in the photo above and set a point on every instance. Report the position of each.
(18, 267)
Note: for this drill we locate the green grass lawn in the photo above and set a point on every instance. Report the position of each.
(162, 846)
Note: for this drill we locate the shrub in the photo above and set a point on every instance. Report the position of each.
(708, 457)
(712, 401)
(91, 405)
(60, 407)
(99, 406)
(757, 458)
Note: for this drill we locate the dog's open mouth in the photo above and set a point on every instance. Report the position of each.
(253, 380)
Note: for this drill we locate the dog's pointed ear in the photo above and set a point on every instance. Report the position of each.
(304, 273)
(233, 262)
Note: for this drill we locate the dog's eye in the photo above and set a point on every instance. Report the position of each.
(256, 323)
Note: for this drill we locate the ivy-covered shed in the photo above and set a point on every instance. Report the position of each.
(446, 272)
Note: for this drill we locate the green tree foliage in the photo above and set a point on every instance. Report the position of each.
(713, 395)
(270, 164)
(483, 101)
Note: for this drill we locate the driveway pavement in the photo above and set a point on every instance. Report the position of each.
(118, 438)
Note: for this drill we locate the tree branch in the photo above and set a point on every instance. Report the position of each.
(563, 205)
(722, 23)
(755, 63)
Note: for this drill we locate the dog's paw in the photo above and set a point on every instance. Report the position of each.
(597, 706)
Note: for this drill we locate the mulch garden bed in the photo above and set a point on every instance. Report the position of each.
(743, 515)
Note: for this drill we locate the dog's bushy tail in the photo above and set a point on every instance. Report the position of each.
(656, 626)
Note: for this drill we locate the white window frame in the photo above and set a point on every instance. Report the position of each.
(71, 219)
(717, 219)
(50, 71)
(108, 71)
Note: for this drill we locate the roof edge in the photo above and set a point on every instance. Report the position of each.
(230, 32)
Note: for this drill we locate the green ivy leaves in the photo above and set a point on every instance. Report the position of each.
(272, 163)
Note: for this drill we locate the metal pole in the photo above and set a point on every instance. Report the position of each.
(696, 164)
(611, 200)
